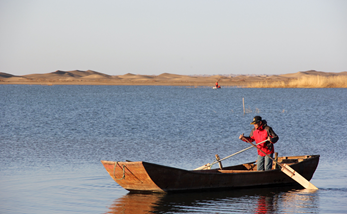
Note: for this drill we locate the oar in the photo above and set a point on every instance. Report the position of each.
(209, 165)
(290, 172)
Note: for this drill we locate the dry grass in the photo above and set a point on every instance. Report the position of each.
(305, 82)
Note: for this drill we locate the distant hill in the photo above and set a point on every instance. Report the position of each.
(89, 77)
(6, 75)
(312, 73)
(67, 74)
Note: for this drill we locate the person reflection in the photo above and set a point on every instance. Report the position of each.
(265, 204)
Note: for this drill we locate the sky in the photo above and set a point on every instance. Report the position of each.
(186, 37)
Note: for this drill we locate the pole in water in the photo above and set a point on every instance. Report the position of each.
(243, 103)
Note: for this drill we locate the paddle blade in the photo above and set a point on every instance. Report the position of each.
(297, 177)
(204, 167)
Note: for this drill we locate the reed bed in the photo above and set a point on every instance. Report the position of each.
(305, 82)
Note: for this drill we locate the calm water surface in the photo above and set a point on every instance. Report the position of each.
(52, 139)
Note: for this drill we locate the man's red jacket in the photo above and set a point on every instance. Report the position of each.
(261, 134)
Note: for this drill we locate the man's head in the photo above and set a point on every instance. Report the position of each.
(257, 121)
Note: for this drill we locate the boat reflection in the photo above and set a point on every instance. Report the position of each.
(135, 203)
(262, 200)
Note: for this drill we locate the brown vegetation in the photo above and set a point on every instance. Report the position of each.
(305, 82)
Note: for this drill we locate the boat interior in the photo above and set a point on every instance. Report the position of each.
(252, 166)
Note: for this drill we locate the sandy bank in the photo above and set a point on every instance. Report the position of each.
(89, 77)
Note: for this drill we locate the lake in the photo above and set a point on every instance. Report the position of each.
(52, 139)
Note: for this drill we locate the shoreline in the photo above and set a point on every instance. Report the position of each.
(187, 84)
(308, 79)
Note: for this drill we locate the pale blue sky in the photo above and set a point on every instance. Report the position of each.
(173, 36)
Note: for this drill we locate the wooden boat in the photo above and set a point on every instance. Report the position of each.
(148, 177)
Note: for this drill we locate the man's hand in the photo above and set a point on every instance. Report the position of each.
(269, 139)
(241, 136)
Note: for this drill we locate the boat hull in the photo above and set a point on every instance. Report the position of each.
(144, 176)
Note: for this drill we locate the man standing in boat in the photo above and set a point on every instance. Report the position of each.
(217, 86)
(259, 133)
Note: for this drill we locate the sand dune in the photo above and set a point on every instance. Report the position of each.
(93, 76)
(89, 77)
(13, 80)
(5, 75)
(312, 73)
(167, 75)
(135, 77)
(67, 74)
